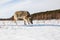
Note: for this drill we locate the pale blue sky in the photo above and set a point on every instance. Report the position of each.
(8, 7)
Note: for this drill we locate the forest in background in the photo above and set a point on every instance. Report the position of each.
(47, 15)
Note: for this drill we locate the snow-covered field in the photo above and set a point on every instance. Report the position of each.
(35, 22)
(40, 30)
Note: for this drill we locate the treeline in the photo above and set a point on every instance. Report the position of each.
(54, 14)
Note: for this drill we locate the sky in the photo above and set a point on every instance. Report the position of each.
(9, 7)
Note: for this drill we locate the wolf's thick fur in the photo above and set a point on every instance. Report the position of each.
(25, 15)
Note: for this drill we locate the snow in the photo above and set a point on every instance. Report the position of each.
(48, 22)
(30, 33)
(40, 30)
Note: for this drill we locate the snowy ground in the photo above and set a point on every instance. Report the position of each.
(40, 30)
